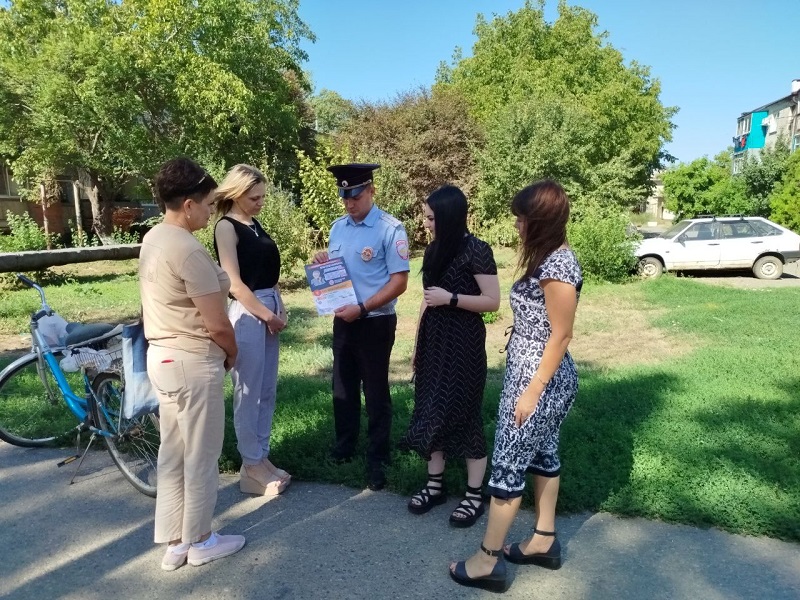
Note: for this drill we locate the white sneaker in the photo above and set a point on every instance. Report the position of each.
(174, 560)
(225, 546)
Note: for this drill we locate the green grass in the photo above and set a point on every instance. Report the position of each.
(708, 436)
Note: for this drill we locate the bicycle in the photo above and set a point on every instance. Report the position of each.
(38, 404)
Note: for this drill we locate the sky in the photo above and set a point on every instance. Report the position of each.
(715, 58)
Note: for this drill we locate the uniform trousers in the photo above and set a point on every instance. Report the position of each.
(255, 378)
(192, 422)
(361, 352)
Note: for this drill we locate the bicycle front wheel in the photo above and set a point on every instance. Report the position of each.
(32, 410)
(133, 443)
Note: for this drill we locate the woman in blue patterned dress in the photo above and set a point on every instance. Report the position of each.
(538, 390)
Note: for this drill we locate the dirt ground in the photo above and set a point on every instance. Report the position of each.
(745, 280)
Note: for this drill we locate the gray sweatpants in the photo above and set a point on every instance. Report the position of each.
(255, 378)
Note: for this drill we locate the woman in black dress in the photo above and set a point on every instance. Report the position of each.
(460, 280)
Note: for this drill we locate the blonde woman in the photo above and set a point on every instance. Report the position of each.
(251, 259)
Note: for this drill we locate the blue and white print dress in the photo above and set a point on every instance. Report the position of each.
(534, 446)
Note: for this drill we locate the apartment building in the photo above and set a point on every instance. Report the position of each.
(766, 125)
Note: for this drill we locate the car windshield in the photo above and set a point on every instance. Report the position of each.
(675, 229)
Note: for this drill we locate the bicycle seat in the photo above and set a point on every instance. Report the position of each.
(80, 332)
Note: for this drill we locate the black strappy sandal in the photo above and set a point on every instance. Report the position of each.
(549, 560)
(469, 509)
(427, 497)
(494, 581)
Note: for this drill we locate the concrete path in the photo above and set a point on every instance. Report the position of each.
(93, 540)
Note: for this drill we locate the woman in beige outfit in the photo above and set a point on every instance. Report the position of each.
(191, 346)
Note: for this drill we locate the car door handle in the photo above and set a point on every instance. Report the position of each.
(758, 242)
(714, 244)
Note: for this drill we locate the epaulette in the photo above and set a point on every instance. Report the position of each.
(343, 217)
(393, 221)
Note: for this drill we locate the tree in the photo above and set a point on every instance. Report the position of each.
(115, 88)
(709, 186)
(423, 139)
(549, 139)
(762, 174)
(331, 111)
(528, 79)
(785, 199)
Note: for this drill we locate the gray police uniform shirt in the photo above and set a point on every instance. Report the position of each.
(372, 250)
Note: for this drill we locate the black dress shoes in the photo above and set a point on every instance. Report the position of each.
(376, 479)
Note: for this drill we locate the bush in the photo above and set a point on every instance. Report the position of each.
(120, 236)
(287, 225)
(600, 241)
(320, 200)
(25, 235)
(498, 233)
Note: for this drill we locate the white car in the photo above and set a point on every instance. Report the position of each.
(720, 243)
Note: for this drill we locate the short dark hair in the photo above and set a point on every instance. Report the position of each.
(181, 178)
(449, 207)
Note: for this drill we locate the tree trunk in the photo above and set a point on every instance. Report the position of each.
(76, 196)
(102, 206)
(45, 221)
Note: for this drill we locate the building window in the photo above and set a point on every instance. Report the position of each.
(743, 126)
(738, 164)
(796, 142)
(8, 187)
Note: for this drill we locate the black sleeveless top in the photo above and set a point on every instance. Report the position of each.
(258, 256)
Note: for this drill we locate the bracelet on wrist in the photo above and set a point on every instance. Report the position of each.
(543, 382)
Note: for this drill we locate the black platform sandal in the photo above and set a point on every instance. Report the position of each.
(427, 497)
(549, 560)
(494, 581)
(469, 509)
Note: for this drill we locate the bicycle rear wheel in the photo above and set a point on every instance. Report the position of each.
(134, 443)
(32, 410)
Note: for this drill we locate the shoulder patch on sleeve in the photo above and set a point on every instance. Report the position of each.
(402, 249)
(393, 221)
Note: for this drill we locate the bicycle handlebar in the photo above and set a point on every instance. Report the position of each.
(26, 281)
(46, 310)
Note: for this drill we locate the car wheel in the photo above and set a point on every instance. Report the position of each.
(768, 267)
(650, 267)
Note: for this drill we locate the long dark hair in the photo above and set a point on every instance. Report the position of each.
(449, 206)
(543, 208)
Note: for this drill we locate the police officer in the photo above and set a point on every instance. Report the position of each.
(374, 247)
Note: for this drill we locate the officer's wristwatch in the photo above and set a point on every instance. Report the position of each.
(364, 311)
(454, 300)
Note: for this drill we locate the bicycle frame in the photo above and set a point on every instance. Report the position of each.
(78, 406)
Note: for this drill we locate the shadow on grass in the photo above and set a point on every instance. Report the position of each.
(598, 436)
(597, 440)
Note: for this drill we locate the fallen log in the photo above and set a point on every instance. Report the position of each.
(12, 262)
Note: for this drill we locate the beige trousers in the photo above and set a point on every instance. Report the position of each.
(192, 418)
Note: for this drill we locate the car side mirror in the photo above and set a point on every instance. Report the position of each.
(681, 238)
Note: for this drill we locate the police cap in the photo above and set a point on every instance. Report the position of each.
(352, 178)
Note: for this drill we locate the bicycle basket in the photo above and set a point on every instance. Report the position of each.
(108, 359)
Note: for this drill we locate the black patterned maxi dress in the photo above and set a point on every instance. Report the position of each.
(534, 446)
(450, 364)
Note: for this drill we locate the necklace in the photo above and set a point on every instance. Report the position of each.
(253, 227)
